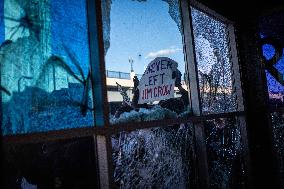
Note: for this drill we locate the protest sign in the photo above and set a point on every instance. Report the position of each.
(157, 82)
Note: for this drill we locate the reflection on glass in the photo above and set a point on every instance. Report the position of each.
(153, 158)
(275, 89)
(269, 29)
(44, 66)
(225, 162)
(213, 63)
(139, 46)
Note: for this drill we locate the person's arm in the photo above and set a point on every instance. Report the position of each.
(184, 93)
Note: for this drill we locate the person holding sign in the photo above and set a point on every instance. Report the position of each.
(157, 84)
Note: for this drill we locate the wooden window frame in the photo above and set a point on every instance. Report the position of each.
(99, 87)
(102, 131)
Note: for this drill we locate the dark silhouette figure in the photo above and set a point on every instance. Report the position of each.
(177, 105)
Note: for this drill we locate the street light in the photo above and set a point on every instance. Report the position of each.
(130, 59)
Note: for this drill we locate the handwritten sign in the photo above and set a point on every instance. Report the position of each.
(157, 82)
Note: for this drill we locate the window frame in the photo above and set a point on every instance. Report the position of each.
(102, 130)
(99, 88)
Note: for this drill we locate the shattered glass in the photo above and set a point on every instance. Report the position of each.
(278, 137)
(153, 158)
(224, 153)
(271, 27)
(44, 55)
(213, 63)
(150, 29)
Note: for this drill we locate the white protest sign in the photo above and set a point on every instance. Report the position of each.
(157, 83)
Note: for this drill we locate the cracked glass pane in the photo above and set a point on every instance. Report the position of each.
(271, 32)
(144, 58)
(224, 153)
(153, 158)
(213, 63)
(278, 137)
(44, 55)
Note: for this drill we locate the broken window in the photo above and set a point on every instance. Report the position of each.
(146, 81)
(213, 63)
(272, 41)
(153, 158)
(145, 69)
(224, 153)
(278, 136)
(45, 72)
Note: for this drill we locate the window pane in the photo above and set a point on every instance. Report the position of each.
(276, 89)
(58, 164)
(273, 52)
(44, 66)
(213, 63)
(153, 158)
(278, 138)
(274, 75)
(224, 153)
(143, 39)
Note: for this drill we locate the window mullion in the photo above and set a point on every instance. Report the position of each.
(102, 143)
(201, 154)
(236, 77)
(97, 63)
